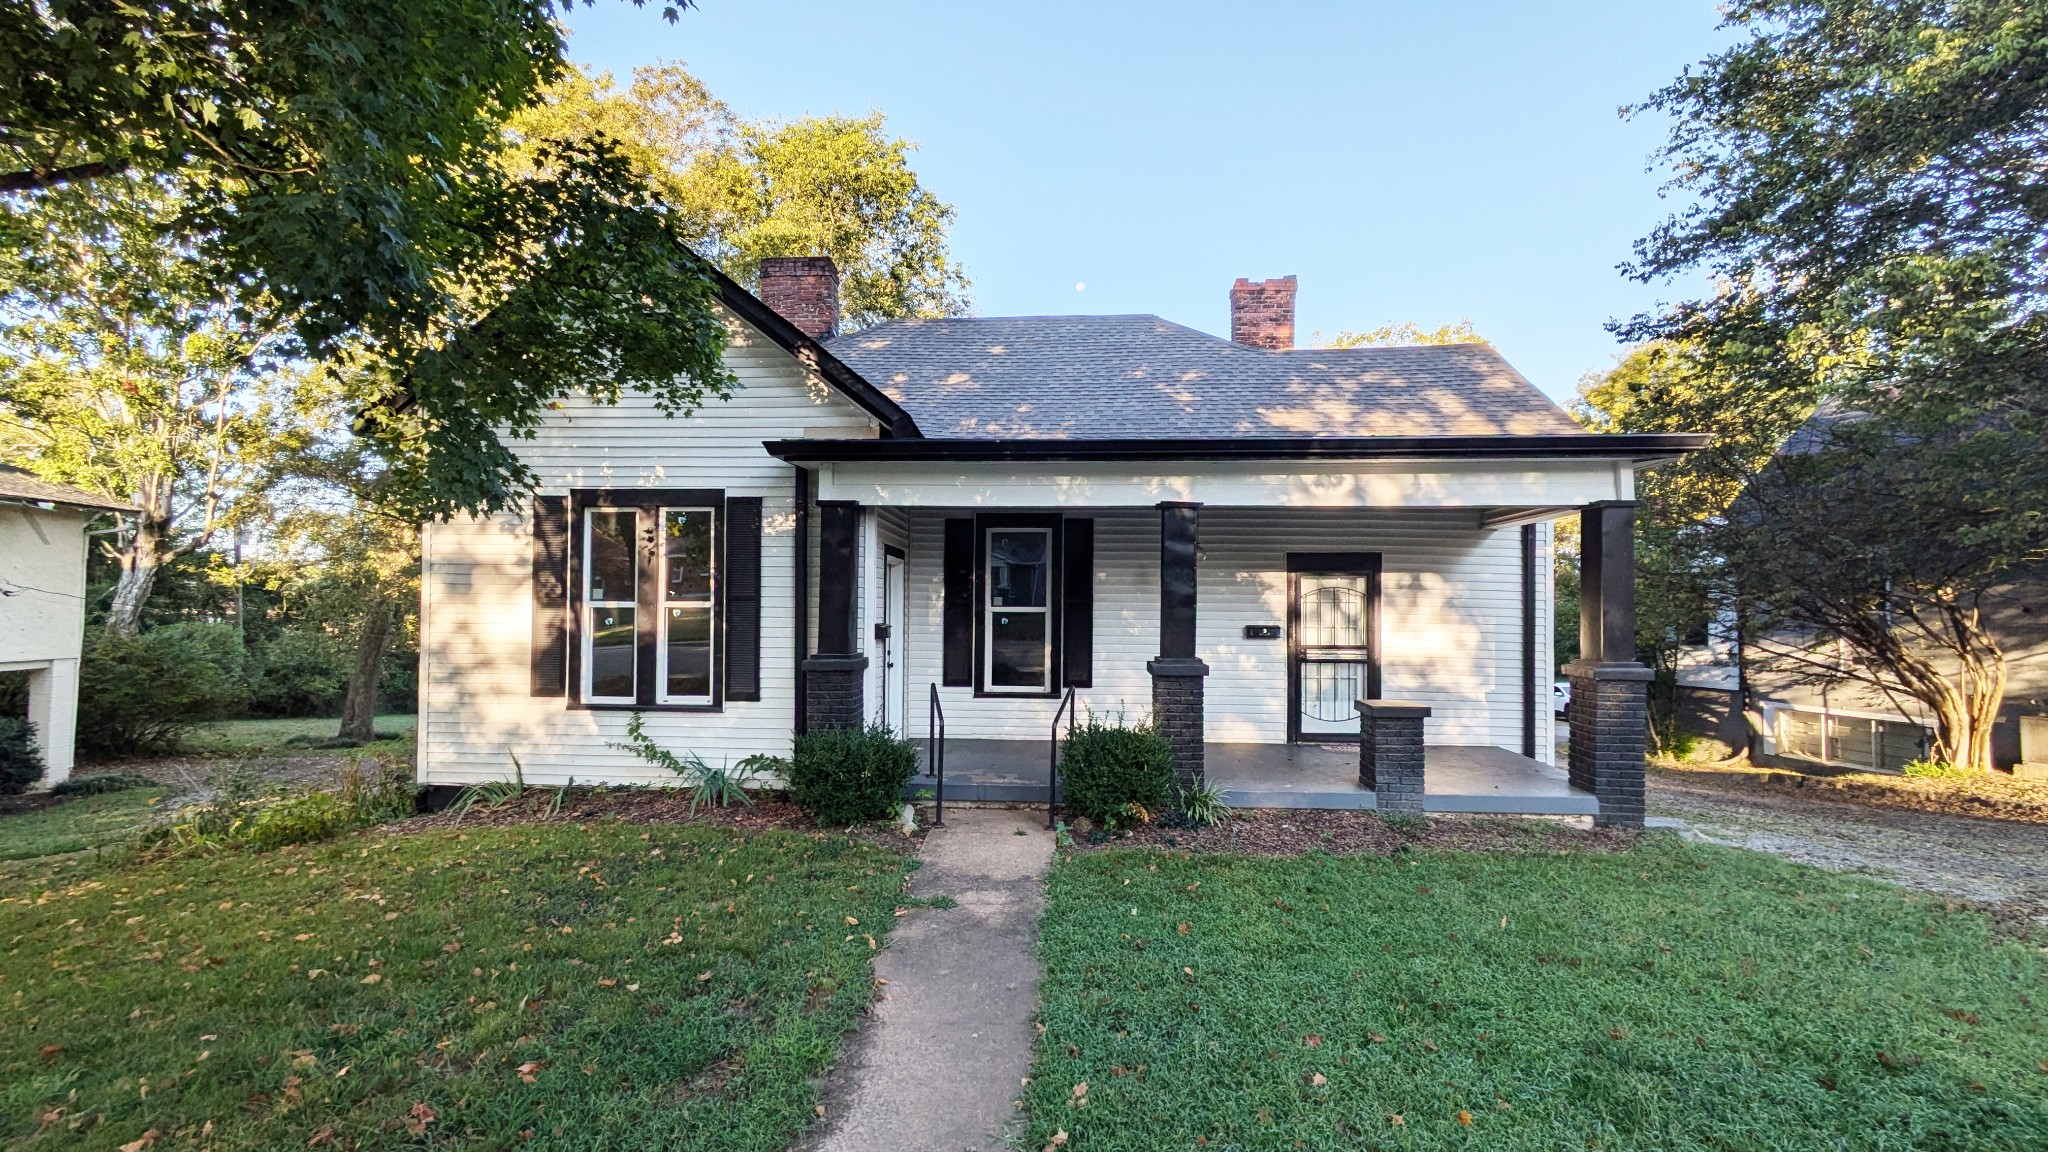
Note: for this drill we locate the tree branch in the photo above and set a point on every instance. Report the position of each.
(36, 179)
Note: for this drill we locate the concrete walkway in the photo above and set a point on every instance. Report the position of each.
(940, 1065)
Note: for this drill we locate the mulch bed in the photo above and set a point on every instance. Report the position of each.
(1990, 795)
(771, 811)
(1294, 831)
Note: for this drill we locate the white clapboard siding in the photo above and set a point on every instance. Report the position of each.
(1451, 630)
(476, 714)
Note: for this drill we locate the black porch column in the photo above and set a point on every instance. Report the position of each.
(1608, 714)
(1177, 673)
(834, 676)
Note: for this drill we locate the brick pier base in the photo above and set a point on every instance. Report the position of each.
(1177, 712)
(1390, 753)
(834, 694)
(1610, 726)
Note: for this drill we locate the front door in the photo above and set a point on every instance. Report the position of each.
(894, 689)
(1332, 652)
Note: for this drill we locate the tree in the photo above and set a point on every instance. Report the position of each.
(743, 191)
(1407, 333)
(1682, 581)
(124, 371)
(343, 159)
(1864, 179)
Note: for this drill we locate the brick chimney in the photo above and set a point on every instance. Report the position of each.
(804, 290)
(1262, 313)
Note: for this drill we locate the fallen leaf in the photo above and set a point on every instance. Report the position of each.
(1059, 1139)
(606, 982)
(146, 1140)
(372, 978)
(703, 976)
(52, 1116)
(416, 1121)
(527, 1070)
(1081, 1089)
(1318, 1080)
(851, 922)
(303, 937)
(52, 1051)
(1184, 928)
(1375, 1037)
(1312, 1041)
(1429, 1044)
(1395, 1119)
(1465, 1118)
(452, 947)
(322, 1138)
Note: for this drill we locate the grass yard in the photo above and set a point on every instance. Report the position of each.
(1671, 996)
(73, 826)
(579, 986)
(257, 737)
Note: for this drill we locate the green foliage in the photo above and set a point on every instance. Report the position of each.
(672, 1062)
(843, 776)
(240, 817)
(1202, 805)
(21, 762)
(741, 191)
(1407, 333)
(298, 672)
(1938, 770)
(1312, 999)
(719, 787)
(1114, 774)
(140, 694)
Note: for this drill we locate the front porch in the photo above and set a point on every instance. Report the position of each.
(1457, 778)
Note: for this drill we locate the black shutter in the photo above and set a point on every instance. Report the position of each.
(550, 659)
(1077, 605)
(743, 598)
(959, 607)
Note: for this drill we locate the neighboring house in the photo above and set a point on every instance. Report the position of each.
(1234, 539)
(1797, 715)
(42, 602)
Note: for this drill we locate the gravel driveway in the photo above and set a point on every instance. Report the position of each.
(1998, 862)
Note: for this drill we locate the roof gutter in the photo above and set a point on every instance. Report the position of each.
(1639, 448)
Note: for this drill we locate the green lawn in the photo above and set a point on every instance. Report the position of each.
(579, 986)
(75, 826)
(255, 737)
(1672, 996)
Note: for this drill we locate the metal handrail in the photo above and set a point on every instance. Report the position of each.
(1067, 708)
(935, 756)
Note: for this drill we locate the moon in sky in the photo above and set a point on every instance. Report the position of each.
(1080, 286)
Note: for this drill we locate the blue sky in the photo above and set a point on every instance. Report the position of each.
(1416, 161)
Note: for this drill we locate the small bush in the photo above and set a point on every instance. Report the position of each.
(140, 694)
(1937, 770)
(720, 787)
(1116, 775)
(21, 762)
(846, 775)
(1203, 806)
(299, 672)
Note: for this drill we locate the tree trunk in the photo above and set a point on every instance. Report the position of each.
(359, 706)
(138, 577)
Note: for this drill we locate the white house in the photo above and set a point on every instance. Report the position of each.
(1235, 539)
(42, 602)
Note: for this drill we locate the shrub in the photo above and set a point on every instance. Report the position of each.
(1937, 770)
(101, 783)
(719, 787)
(21, 762)
(846, 775)
(1203, 806)
(140, 694)
(299, 672)
(1116, 775)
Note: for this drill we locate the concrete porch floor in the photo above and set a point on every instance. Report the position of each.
(1457, 778)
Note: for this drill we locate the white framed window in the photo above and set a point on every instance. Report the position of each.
(686, 651)
(1017, 611)
(610, 597)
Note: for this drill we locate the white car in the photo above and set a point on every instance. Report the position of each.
(1561, 696)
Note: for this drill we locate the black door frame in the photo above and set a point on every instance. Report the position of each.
(1299, 564)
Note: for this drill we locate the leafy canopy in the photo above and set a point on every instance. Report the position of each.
(741, 191)
(1407, 333)
(344, 160)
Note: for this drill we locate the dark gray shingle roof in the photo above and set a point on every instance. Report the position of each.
(16, 484)
(1110, 377)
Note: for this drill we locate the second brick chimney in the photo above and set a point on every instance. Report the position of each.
(804, 290)
(1262, 313)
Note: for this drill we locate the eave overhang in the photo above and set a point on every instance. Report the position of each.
(1640, 449)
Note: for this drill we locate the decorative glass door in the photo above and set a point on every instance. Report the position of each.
(1332, 650)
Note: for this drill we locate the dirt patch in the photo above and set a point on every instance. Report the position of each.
(2000, 863)
(1991, 795)
(194, 778)
(1293, 831)
(29, 802)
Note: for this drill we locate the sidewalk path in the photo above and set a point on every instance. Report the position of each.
(941, 1063)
